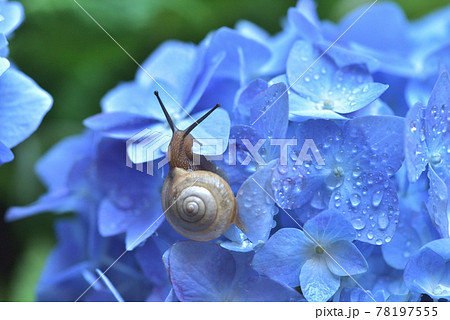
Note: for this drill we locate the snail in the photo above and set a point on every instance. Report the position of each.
(196, 198)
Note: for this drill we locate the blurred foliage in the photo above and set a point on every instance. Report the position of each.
(63, 50)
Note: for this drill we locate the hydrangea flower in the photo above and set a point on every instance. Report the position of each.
(359, 160)
(415, 228)
(318, 257)
(386, 42)
(326, 90)
(203, 271)
(93, 179)
(380, 283)
(427, 137)
(199, 77)
(362, 219)
(23, 103)
(428, 270)
(71, 268)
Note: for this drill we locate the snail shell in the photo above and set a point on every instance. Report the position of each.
(199, 205)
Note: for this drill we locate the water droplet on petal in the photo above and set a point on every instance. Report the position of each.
(355, 199)
(357, 171)
(383, 221)
(358, 224)
(379, 242)
(337, 203)
(370, 235)
(376, 198)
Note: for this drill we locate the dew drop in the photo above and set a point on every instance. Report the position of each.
(357, 171)
(379, 242)
(376, 198)
(355, 199)
(413, 126)
(434, 111)
(337, 203)
(383, 221)
(283, 170)
(358, 224)
(387, 239)
(370, 235)
(307, 79)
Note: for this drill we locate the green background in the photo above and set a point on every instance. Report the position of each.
(69, 56)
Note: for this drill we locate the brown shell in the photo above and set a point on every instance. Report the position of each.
(199, 205)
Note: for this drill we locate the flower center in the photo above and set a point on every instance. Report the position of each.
(338, 172)
(325, 105)
(319, 250)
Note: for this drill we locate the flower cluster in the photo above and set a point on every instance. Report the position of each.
(337, 152)
(23, 103)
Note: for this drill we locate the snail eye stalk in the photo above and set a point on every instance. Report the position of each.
(169, 119)
(196, 123)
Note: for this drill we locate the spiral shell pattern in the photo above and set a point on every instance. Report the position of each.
(199, 205)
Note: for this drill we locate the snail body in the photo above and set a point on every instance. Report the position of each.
(197, 201)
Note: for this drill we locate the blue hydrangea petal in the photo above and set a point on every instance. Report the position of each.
(185, 65)
(262, 289)
(418, 90)
(237, 172)
(5, 154)
(62, 157)
(111, 220)
(149, 259)
(316, 280)
(316, 82)
(416, 150)
(241, 109)
(270, 111)
(346, 259)
(120, 125)
(376, 108)
(244, 56)
(302, 109)
(4, 64)
(23, 109)
(216, 126)
(370, 202)
(328, 227)
(130, 97)
(404, 242)
(12, 14)
(437, 125)
(386, 42)
(256, 208)
(283, 256)
(200, 271)
(345, 57)
(352, 89)
(295, 185)
(358, 295)
(437, 203)
(428, 271)
(57, 201)
(379, 139)
(304, 27)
